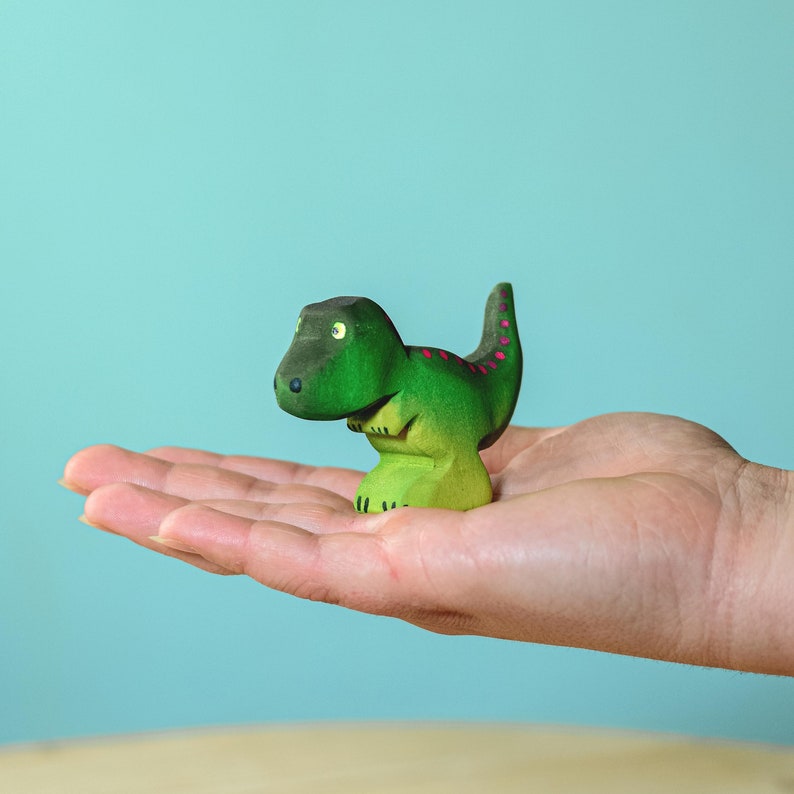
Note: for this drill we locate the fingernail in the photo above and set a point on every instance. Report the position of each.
(176, 545)
(85, 521)
(69, 487)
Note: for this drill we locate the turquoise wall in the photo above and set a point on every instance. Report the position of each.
(178, 179)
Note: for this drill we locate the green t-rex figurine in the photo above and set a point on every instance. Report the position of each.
(426, 411)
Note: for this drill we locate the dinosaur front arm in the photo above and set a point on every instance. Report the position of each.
(389, 419)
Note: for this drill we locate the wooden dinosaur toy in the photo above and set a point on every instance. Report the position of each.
(425, 410)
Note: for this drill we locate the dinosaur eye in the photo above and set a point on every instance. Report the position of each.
(338, 330)
(298, 325)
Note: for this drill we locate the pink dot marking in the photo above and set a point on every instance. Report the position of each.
(505, 323)
(504, 340)
(426, 353)
(500, 355)
(472, 368)
(502, 307)
(482, 369)
(503, 293)
(492, 364)
(459, 359)
(443, 355)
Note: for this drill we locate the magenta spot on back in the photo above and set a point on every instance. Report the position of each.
(482, 369)
(472, 368)
(443, 355)
(504, 340)
(426, 353)
(505, 323)
(459, 359)
(503, 293)
(500, 355)
(502, 307)
(492, 364)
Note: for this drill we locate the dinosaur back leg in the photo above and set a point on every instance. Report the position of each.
(457, 483)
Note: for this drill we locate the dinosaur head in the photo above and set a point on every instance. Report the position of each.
(342, 359)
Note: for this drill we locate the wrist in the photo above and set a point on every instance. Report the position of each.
(760, 589)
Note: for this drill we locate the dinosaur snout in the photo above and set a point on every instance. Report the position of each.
(291, 394)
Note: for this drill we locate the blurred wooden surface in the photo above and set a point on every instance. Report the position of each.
(381, 758)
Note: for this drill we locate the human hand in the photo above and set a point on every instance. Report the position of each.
(631, 533)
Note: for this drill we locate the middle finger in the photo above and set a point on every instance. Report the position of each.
(195, 481)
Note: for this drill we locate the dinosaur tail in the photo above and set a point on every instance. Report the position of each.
(499, 357)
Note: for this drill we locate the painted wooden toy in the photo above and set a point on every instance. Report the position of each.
(426, 411)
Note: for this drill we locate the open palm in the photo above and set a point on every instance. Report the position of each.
(631, 533)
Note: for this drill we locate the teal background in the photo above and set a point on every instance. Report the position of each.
(178, 179)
